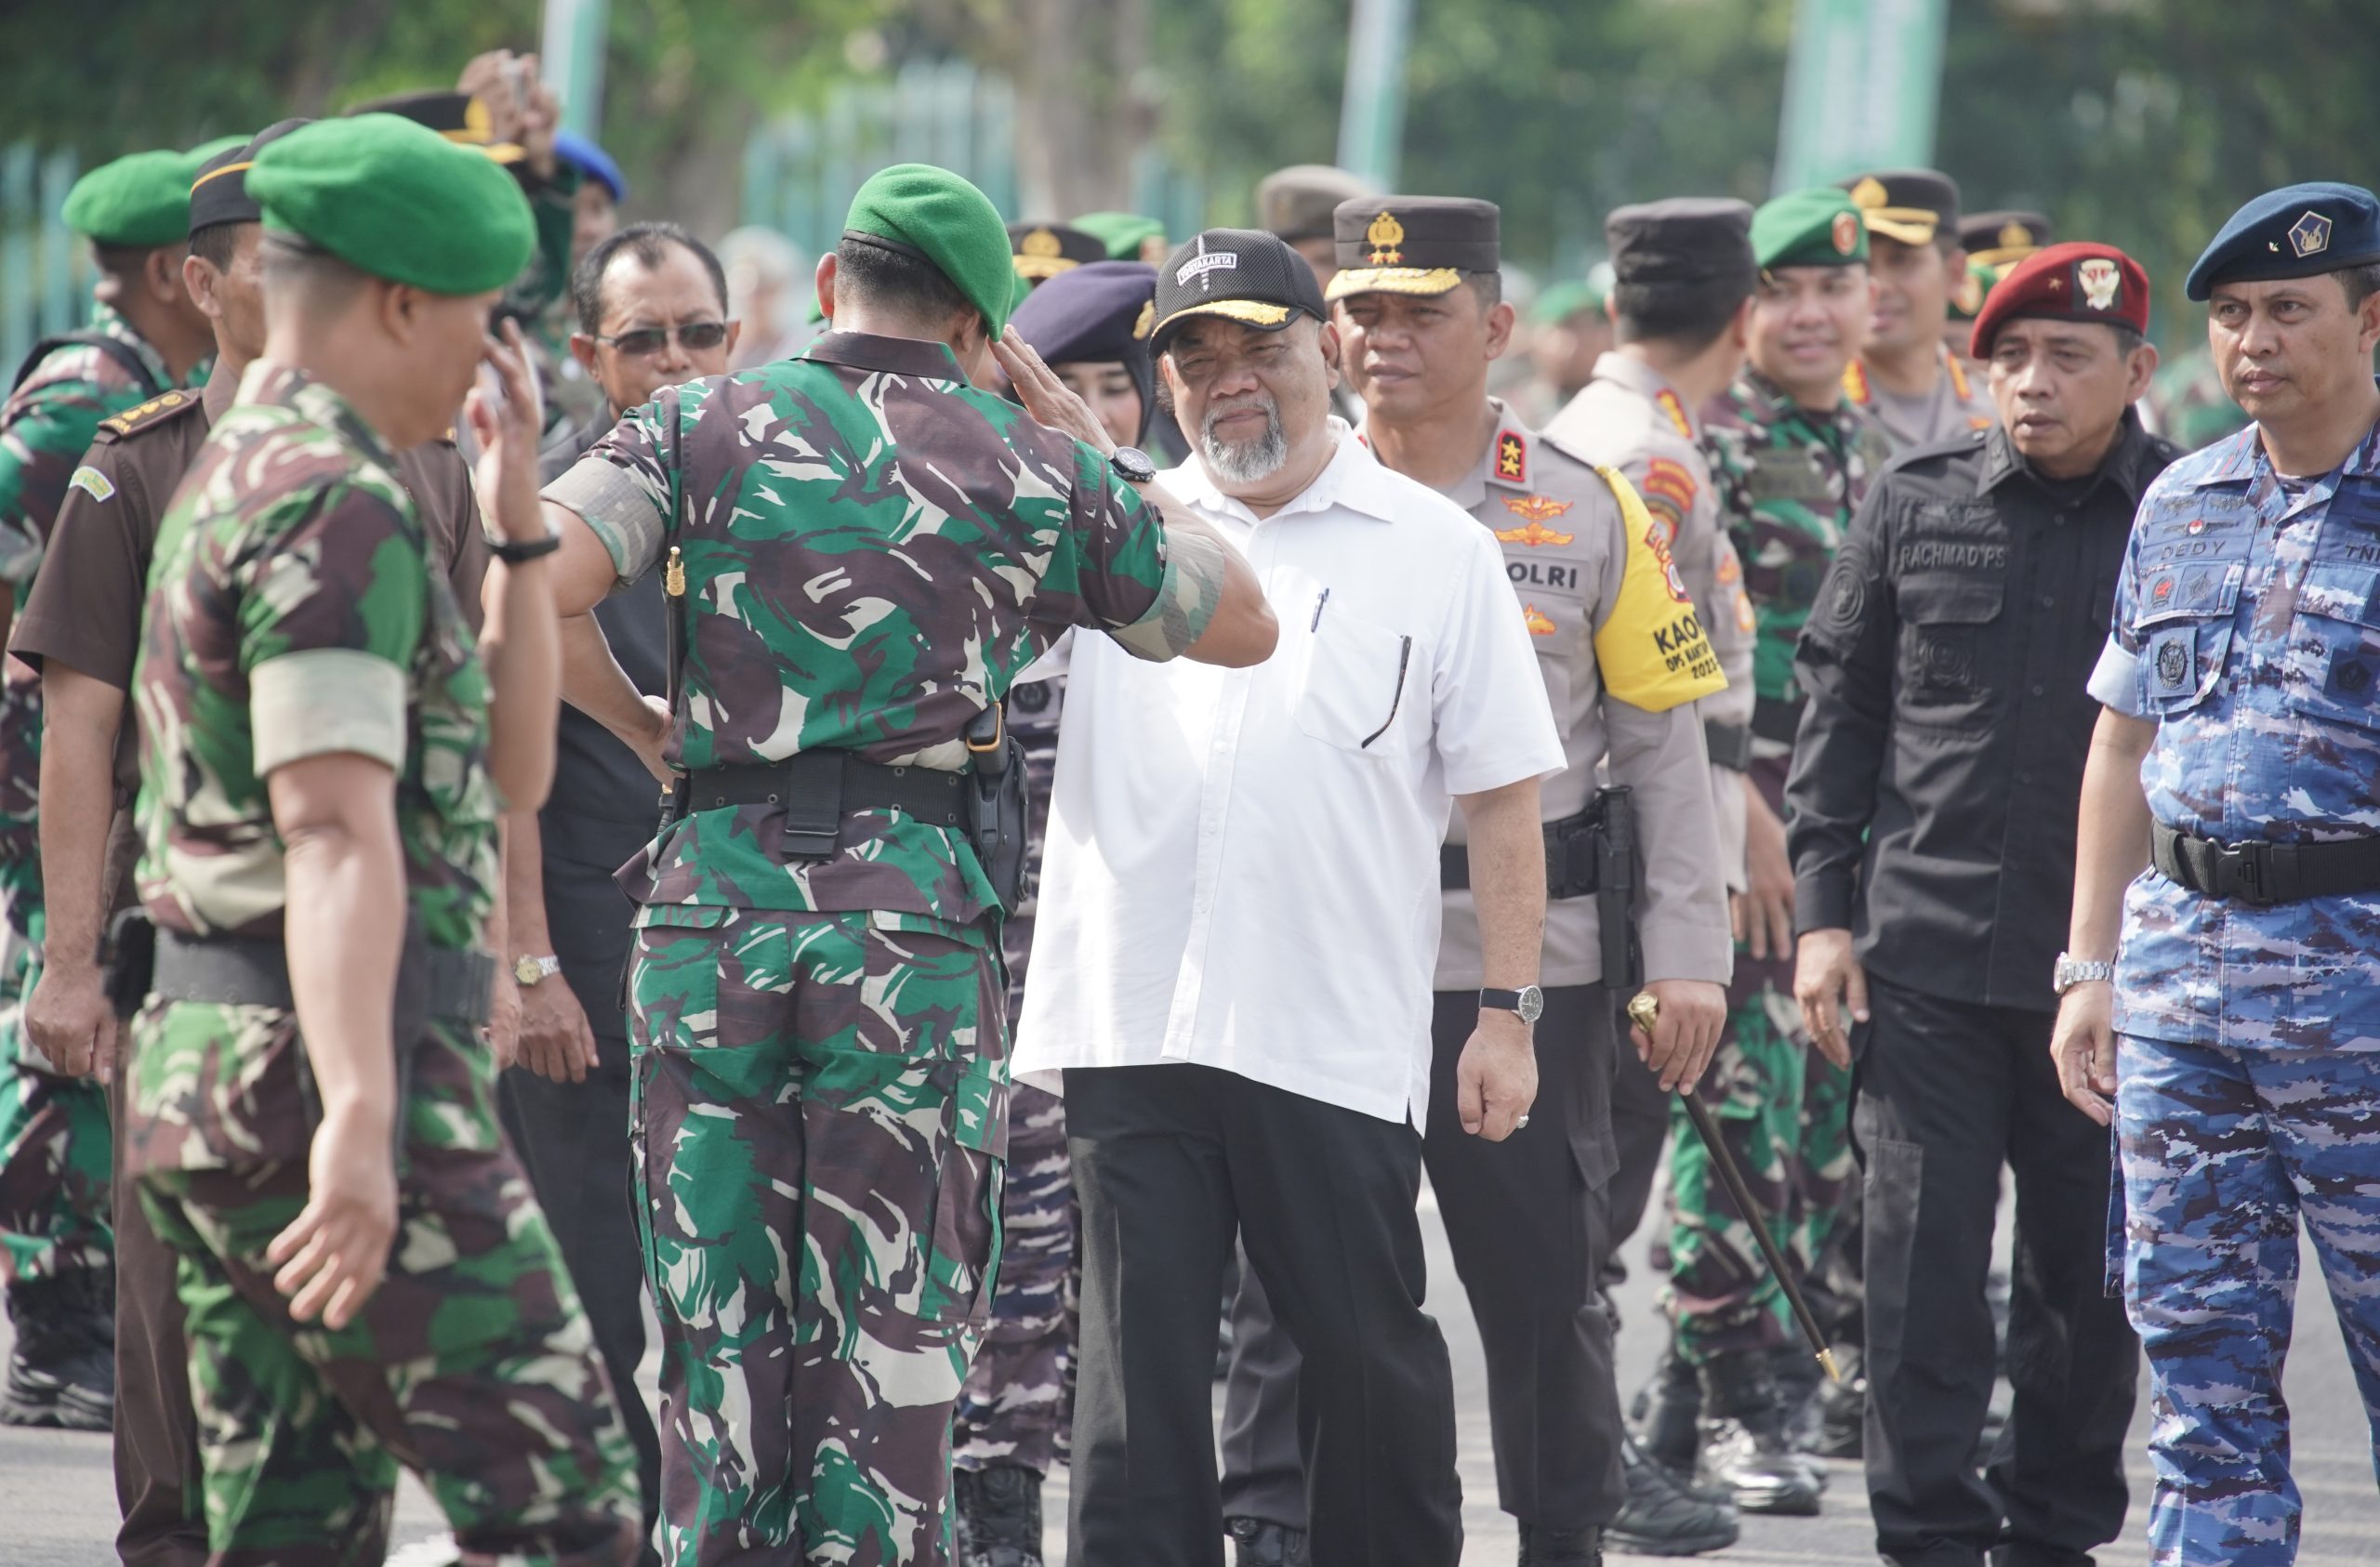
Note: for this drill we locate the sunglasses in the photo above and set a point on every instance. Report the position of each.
(696, 337)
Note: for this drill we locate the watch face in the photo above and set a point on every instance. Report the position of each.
(1133, 465)
(1532, 1005)
(528, 971)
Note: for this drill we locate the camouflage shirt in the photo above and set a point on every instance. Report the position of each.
(295, 610)
(2246, 627)
(1789, 480)
(873, 551)
(46, 425)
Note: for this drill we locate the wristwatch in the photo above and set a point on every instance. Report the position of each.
(2073, 971)
(530, 970)
(1131, 465)
(1528, 1001)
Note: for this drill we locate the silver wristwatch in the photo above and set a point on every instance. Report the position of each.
(2073, 971)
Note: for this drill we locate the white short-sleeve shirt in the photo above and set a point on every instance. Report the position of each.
(1241, 867)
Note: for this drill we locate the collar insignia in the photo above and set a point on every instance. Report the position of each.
(1511, 459)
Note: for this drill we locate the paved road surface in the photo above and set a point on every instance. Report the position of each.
(58, 1508)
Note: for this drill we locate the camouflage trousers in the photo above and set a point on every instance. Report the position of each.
(1785, 1116)
(1017, 1405)
(471, 1366)
(821, 1112)
(2224, 1152)
(55, 1145)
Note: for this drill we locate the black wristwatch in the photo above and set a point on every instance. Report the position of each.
(1131, 465)
(1528, 1001)
(512, 554)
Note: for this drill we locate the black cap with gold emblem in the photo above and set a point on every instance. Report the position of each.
(1412, 244)
(457, 116)
(1910, 204)
(1043, 250)
(220, 194)
(2000, 240)
(1244, 275)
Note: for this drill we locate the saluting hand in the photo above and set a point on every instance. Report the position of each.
(1048, 399)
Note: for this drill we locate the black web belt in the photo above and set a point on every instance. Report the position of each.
(2264, 874)
(254, 971)
(817, 789)
(1729, 745)
(1570, 865)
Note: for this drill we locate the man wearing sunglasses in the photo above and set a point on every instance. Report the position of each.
(650, 301)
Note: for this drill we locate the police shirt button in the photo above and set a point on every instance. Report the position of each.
(2049, 601)
(2039, 689)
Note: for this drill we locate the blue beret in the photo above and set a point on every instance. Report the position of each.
(1096, 314)
(2297, 231)
(581, 153)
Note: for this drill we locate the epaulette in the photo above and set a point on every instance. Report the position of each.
(147, 415)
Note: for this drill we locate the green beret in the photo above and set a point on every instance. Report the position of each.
(1122, 232)
(1973, 289)
(918, 210)
(398, 201)
(137, 203)
(1820, 227)
(1562, 300)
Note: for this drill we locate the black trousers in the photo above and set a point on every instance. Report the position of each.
(573, 1139)
(1526, 1219)
(1170, 1162)
(1948, 1093)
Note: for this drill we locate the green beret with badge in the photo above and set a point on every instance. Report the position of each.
(1814, 227)
(394, 199)
(1128, 236)
(1412, 244)
(932, 214)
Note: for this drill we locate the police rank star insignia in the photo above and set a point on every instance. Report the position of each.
(1384, 235)
(1511, 459)
(2310, 235)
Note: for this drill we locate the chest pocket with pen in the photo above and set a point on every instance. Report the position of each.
(1357, 688)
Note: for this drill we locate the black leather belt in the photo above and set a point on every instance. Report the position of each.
(819, 788)
(1729, 745)
(2264, 874)
(1775, 719)
(254, 971)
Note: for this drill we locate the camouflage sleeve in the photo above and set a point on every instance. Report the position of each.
(46, 433)
(621, 486)
(330, 615)
(1155, 591)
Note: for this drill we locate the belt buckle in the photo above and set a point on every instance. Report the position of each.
(2247, 869)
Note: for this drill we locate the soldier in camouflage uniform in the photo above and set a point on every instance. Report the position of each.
(367, 1280)
(868, 553)
(1791, 462)
(2240, 1039)
(1091, 327)
(144, 338)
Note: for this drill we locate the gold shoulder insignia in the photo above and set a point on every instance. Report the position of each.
(140, 415)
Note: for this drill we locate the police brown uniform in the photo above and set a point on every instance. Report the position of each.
(1911, 207)
(1623, 665)
(85, 612)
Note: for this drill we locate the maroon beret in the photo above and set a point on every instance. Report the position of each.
(2076, 281)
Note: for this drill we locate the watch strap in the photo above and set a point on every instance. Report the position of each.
(513, 553)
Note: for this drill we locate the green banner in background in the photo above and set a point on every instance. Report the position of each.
(1861, 86)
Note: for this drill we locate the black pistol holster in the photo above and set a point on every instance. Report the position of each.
(996, 803)
(1592, 853)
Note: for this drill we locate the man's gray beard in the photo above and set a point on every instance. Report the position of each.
(1247, 461)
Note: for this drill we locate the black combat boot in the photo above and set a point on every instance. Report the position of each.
(1000, 1516)
(1666, 1412)
(1662, 1516)
(1561, 1547)
(1748, 1450)
(1256, 1542)
(1843, 1406)
(1798, 1376)
(63, 1369)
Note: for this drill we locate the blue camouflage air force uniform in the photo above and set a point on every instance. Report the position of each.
(2247, 627)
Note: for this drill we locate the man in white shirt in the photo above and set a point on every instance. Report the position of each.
(1240, 921)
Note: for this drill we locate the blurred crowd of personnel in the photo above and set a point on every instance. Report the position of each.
(1790, 640)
